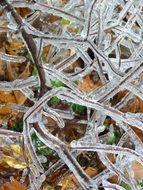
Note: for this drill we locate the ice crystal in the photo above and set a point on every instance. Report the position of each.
(108, 40)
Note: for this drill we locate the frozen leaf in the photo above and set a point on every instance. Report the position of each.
(13, 46)
(138, 170)
(65, 21)
(41, 149)
(17, 126)
(13, 185)
(52, 18)
(87, 84)
(46, 186)
(14, 163)
(140, 182)
(126, 186)
(34, 72)
(70, 182)
(23, 11)
(93, 52)
(77, 108)
(16, 149)
(57, 83)
(20, 97)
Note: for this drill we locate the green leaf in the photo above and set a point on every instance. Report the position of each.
(34, 72)
(18, 126)
(53, 100)
(140, 182)
(76, 30)
(41, 148)
(111, 138)
(27, 54)
(57, 83)
(65, 21)
(126, 186)
(77, 108)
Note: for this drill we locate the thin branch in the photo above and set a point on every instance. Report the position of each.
(29, 42)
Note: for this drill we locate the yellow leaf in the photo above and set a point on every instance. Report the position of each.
(16, 149)
(65, 184)
(7, 97)
(46, 186)
(13, 46)
(12, 162)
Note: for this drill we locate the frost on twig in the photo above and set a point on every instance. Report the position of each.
(106, 38)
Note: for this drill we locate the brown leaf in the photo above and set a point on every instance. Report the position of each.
(138, 170)
(134, 105)
(20, 97)
(23, 11)
(5, 99)
(13, 46)
(26, 72)
(71, 183)
(88, 84)
(53, 18)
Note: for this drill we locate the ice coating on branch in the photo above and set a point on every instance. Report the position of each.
(97, 39)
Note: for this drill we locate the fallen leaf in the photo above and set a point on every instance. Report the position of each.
(138, 170)
(23, 11)
(88, 84)
(53, 18)
(20, 97)
(2, 70)
(7, 97)
(71, 183)
(46, 186)
(13, 185)
(16, 149)
(65, 184)
(13, 46)
(26, 72)
(12, 162)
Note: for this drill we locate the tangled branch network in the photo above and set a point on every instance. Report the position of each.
(110, 30)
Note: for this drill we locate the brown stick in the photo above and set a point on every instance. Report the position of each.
(29, 42)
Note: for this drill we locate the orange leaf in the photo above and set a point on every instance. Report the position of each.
(23, 11)
(13, 46)
(13, 185)
(138, 170)
(88, 84)
(71, 183)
